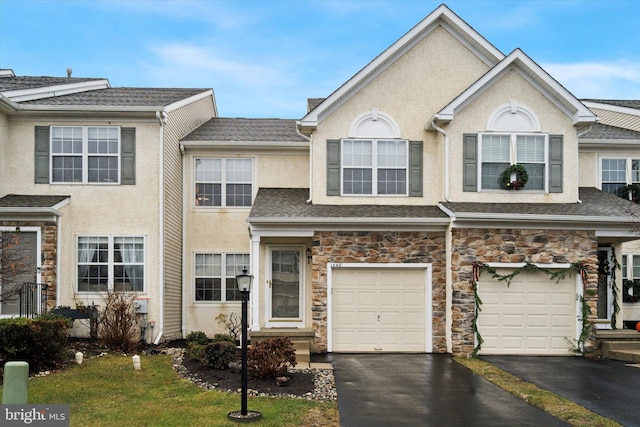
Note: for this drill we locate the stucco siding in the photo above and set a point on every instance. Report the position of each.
(411, 90)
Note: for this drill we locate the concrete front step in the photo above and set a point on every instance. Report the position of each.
(626, 351)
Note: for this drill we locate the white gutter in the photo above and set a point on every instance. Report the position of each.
(432, 125)
(308, 138)
(162, 119)
(348, 220)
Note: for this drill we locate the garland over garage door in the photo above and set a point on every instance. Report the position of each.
(380, 309)
(533, 316)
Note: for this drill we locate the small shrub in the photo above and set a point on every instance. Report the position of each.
(41, 342)
(197, 337)
(232, 322)
(271, 358)
(224, 337)
(219, 354)
(117, 326)
(195, 351)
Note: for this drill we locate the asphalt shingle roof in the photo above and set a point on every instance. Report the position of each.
(241, 129)
(30, 201)
(32, 82)
(627, 103)
(292, 203)
(595, 204)
(601, 131)
(121, 97)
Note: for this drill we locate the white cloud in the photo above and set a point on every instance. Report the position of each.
(609, 80)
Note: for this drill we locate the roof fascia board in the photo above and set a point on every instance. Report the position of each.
(442, 16)
(308, 230)
(245, 144)
(348, 220)
(608, 144)
(526, 67)
(614, 108)
(471, 216)
(186, 101)
(56, 90)
(89, 108)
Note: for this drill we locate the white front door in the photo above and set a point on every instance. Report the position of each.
(285, 292)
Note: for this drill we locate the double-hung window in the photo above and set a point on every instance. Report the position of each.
(499, 151)
(223, 182)
(215, 276)
(631, 277)
(617, 173)
(374, 167)
(110, 263)
(85, 154)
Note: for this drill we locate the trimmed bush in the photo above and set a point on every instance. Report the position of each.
(41, 342)
(197, 337)
(219, 354)
(271, 358)
(195, 351)
(224, 337)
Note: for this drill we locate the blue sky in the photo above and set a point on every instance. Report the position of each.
(264, 58)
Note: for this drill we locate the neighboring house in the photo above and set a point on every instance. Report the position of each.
(90, 178)
(379, 221)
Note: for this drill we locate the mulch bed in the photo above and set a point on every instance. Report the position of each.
(300, 381)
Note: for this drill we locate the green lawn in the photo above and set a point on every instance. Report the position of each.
(107, 391)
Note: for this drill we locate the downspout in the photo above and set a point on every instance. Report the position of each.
(432, 125)
(578, 135)
(162, 119)
(184, 241)
(310, 161)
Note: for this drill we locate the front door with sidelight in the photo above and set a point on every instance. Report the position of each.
(285, 289)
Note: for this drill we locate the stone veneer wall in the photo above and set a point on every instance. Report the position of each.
(512, 246)
(378, 247)
(48, 243)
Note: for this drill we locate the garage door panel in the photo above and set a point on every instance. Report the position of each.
(534, 315)
(388, 306)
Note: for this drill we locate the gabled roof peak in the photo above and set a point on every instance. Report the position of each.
(443, 17)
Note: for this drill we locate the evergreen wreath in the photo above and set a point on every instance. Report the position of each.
(521, 177)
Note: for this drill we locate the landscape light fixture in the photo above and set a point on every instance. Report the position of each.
(244, 282)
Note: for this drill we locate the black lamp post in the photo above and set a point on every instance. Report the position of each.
(244, 281)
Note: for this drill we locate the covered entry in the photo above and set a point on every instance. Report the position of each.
(534, 315)
(379, 307)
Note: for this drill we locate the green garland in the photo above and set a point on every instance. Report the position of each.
(614, 288)
(522, 177)
(557, 275)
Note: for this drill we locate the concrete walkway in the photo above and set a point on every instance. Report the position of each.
(607, 387)
(424, 390)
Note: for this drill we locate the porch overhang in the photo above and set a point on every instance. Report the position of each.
(17, 207)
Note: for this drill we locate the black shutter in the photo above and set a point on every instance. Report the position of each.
(470, 162)
(415, 168)
(128, 156)
(41, 155)
(333, 167)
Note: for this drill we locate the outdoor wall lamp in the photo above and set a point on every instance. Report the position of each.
(244, 282)
(308, 255)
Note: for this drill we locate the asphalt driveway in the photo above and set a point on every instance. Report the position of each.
(607, 387)
(424, 390)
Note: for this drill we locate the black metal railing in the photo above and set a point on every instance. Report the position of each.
(33, 299)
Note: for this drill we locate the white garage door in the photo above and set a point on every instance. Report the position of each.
(535, 315)
(378, 309)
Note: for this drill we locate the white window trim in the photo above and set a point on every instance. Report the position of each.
(111, 263)
(85, 157)
(223, 183)
(374, 167)
(222, 279)
(513, 136)
(628, 168)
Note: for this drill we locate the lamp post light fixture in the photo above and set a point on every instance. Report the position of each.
(244, 282)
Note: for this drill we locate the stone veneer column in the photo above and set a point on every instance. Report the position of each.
(470, 246)
(378, 247)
